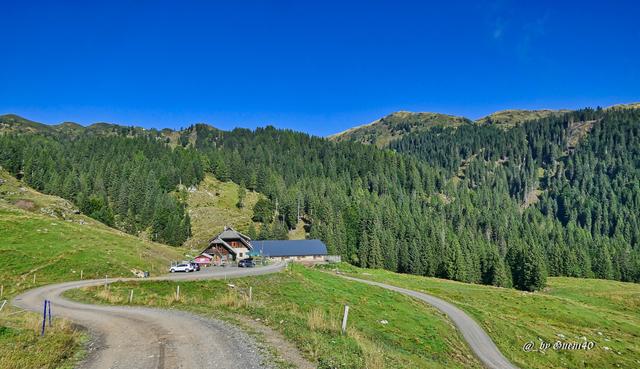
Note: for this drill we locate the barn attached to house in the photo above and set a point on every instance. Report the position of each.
(231, 245)
(293, 250)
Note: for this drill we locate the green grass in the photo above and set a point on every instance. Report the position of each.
(212, 206)
(55, 250)
(22, 347)
(299, 232)
(605, 312)
(305, 305)
(42, 236)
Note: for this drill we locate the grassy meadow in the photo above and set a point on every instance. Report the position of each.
(21, 346)
(385, 329)
(43, 240)
(213, 205)
(568, 310)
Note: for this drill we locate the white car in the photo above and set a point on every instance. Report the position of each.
(182, 268)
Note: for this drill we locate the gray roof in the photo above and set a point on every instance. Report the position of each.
(230, 233)
(290, 247)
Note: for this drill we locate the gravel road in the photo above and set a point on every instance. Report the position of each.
(477, 339)
(144, 338)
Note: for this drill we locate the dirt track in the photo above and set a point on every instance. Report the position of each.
(477, 339)
(143, 338)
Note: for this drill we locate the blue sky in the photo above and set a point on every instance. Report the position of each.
(318, 67)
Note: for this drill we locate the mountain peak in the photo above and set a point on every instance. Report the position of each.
(512, 117)
(394, 126)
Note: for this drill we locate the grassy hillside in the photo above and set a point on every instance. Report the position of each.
(46, 236)
(11, 123)
(43, 237)
(510, 118)
(212, 205)
(568, 310)
(395, 126)
(385, 330)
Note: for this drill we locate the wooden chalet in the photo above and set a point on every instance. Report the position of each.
(230, 245)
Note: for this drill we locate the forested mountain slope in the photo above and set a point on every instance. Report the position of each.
(473, 203)
(584, 166)
(123, 181)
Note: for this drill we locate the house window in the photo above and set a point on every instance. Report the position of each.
(240, 254)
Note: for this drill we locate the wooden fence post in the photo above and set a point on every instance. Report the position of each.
(345, 317)
(178, 292)
(130, 296)
(34, 278)
(250, 293)
(105, 281)
(80, 274)
(1, 291)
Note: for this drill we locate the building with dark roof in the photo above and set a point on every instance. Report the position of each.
(231, 245)
(308, 250)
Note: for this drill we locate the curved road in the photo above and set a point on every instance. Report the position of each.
(144, 338)
(478, 340)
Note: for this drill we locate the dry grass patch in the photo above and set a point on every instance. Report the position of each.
(373, 354)
(106, 295)
(318, 320)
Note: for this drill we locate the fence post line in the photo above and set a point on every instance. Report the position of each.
(34, 278)
(80, 274)
(178, 292)
(130, 296)
(44, 318)
(345, 317)
(49, 303)
(250, 293)
(105, 281)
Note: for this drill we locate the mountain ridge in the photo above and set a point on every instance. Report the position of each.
(401, 123)
(380, 132)
(14, 122)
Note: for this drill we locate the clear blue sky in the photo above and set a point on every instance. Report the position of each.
(319, 68)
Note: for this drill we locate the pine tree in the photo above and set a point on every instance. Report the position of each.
(375, 258)
(251, 232)
(242, 193)
(534, 275)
